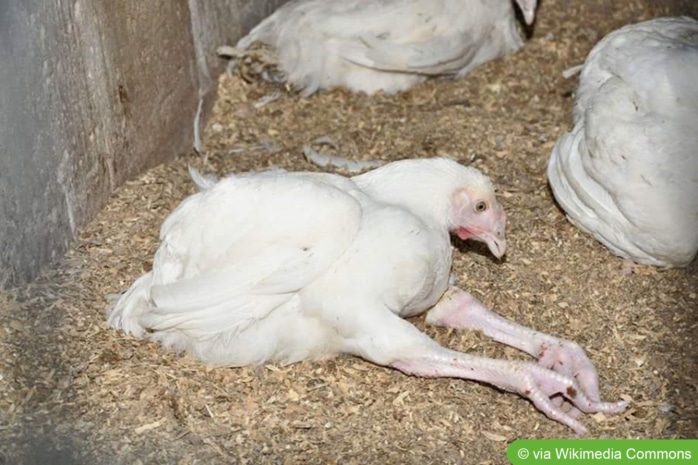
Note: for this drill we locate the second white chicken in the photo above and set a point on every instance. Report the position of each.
(387, 45)
(628, 171)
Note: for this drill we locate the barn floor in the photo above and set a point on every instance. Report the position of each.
(74, 391)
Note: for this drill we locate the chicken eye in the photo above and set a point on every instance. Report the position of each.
(481, 206)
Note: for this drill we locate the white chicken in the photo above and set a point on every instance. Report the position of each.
(628, 171)
(279, 266)
(389, 45)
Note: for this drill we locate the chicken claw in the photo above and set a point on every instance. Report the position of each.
(576, 378)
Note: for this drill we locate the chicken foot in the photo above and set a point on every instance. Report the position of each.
(459, 309)
(530, 380)
(396, 343)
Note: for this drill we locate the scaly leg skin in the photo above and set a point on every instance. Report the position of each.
(459, 309)
(386, 339)
(528, 379)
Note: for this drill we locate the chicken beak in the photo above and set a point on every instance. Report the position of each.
(494, 233)
(494, 237)
(498, 246)
(529, 16)
(497, 240)
(528, 9)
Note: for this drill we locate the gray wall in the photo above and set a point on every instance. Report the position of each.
(92, 93)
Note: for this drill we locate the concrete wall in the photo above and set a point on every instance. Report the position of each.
(92, 93)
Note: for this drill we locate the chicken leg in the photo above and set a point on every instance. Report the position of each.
(459, 309)
(398, 344)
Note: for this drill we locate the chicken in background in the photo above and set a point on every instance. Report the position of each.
(627, 173)
(379, 45)
(291, 266)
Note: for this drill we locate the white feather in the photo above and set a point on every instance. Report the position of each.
(350, 166)
(389, 45)
(203, 182)
(628, 171)
(284, 266)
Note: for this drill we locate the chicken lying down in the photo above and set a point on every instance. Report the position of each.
(283, 266)
(628, 171)
(389, 45)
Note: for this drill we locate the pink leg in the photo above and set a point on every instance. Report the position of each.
(459, 309)
(394, 342)
(535, 382)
